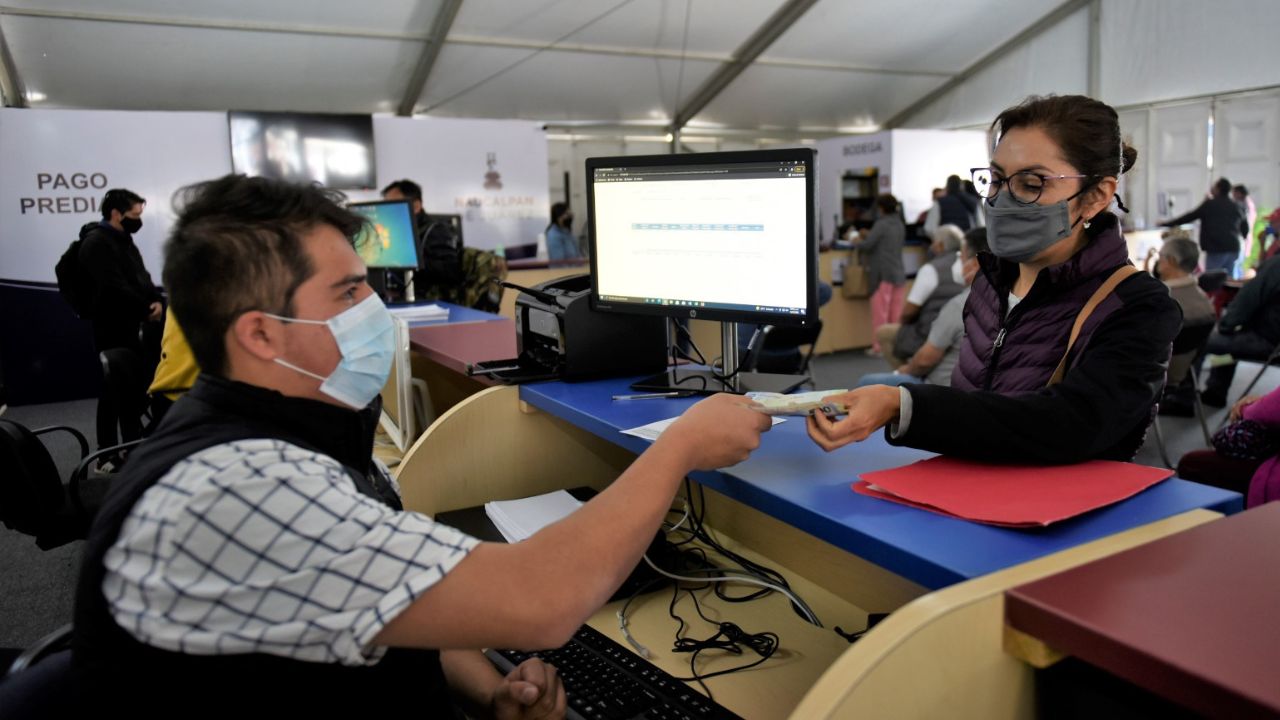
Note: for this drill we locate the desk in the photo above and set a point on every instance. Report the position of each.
(938, 654)
(1190, 617)
(791, 479)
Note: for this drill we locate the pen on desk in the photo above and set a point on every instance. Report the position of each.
(651, 396)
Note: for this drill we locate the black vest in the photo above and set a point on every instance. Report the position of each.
(953, 211)
(112, 669)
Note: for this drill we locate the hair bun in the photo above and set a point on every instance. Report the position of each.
(1128, 156)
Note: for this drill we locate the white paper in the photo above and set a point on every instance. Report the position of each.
(420, 313)
(651, 431)
(518, 519)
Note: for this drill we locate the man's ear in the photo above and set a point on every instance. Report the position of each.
(258, 335)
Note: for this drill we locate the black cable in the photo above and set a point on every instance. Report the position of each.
(728, 638)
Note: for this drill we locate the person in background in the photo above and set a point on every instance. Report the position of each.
(1249, 329)
(1267, 236)
(934, 361)
(932, 288)
(924, 214)
(1244, 458)
(123, 297)
(1240, 194)
(881, 248)
(1020, 392)
(561, 244)
(1222, 227)
(442, 260)
(953, 208)
(1175, 266)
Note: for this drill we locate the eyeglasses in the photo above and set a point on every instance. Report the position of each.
(1024, 187)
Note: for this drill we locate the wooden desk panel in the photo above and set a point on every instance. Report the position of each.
(1191, 617)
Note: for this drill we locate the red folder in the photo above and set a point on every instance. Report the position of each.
(1009, 495)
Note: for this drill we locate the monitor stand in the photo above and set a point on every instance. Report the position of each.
(702, 381)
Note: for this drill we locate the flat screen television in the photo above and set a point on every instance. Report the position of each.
(333, 150)
(714, 236)
(387, 239)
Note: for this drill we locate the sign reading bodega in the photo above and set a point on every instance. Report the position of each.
(45, 201)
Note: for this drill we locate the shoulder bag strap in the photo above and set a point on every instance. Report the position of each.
(1099, 295)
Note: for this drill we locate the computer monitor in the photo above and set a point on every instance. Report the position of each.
(334, 150)
(388, 239)
(710, 236)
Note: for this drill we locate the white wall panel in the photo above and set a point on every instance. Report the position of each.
(1156, 50)
(1056, 61)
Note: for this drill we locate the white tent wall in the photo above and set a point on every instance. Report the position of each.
(1055, 61)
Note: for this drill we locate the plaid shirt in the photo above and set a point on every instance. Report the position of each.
(259, 546)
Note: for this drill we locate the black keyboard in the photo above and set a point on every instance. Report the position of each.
(605, 681)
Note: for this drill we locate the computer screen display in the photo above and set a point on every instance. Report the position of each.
(715, 236)
(387, 239)
(333, 150)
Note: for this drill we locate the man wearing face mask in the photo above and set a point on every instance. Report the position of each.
(252, 556)
(122, 297)
(940, 350)
(1066, 344)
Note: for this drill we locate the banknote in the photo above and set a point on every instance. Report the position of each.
(795, 404)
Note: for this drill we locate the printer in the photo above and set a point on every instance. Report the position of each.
(559, 336)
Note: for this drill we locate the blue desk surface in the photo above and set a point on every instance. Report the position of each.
(793, 480)
(457, 314)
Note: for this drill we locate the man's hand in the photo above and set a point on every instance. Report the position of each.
(531, 691)
(1237, 410)
(717, 432)
(870, 408)
(157, 311)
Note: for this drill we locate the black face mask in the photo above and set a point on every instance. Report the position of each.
(131, 225)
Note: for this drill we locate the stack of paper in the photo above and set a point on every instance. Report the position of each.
(518, 519)
(420, 313)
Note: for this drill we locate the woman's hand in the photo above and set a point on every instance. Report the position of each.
(869, 409)
(1237, 410)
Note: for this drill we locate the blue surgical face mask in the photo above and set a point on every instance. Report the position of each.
(365, 334)
(1019, 233)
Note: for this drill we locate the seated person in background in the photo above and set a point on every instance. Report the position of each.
(1244, 458)
(561, 244)
(253, 554)
(1248, 330)
(936, 358)
(1020, 392)
(933, 287)
(1175, 265)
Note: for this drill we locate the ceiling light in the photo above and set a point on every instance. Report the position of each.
(36, 96)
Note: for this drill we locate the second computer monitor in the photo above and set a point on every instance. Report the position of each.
(388, 238)
(716, 236)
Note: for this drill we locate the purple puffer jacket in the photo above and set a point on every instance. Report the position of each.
(1020, 353)
(1265, 485)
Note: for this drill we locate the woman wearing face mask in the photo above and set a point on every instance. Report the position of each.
(561, 244)
(1029, 385)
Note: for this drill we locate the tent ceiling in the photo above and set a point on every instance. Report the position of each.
(842, 66)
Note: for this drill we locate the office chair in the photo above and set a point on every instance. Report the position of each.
(37, 684)
(778, 350)
(1187, 347)
(33, 499)
(1211, 281)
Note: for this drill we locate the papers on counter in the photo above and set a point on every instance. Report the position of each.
(518, 519)
(651, 431)
(420, 313)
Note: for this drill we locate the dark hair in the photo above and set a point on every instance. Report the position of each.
(953, 185)
(976, 240)
(237, 246)
(120, 200)
(1086, 130)
(557, 210)
(408, 188)
(1241, 189)
(1222, 187)
(887, 203)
